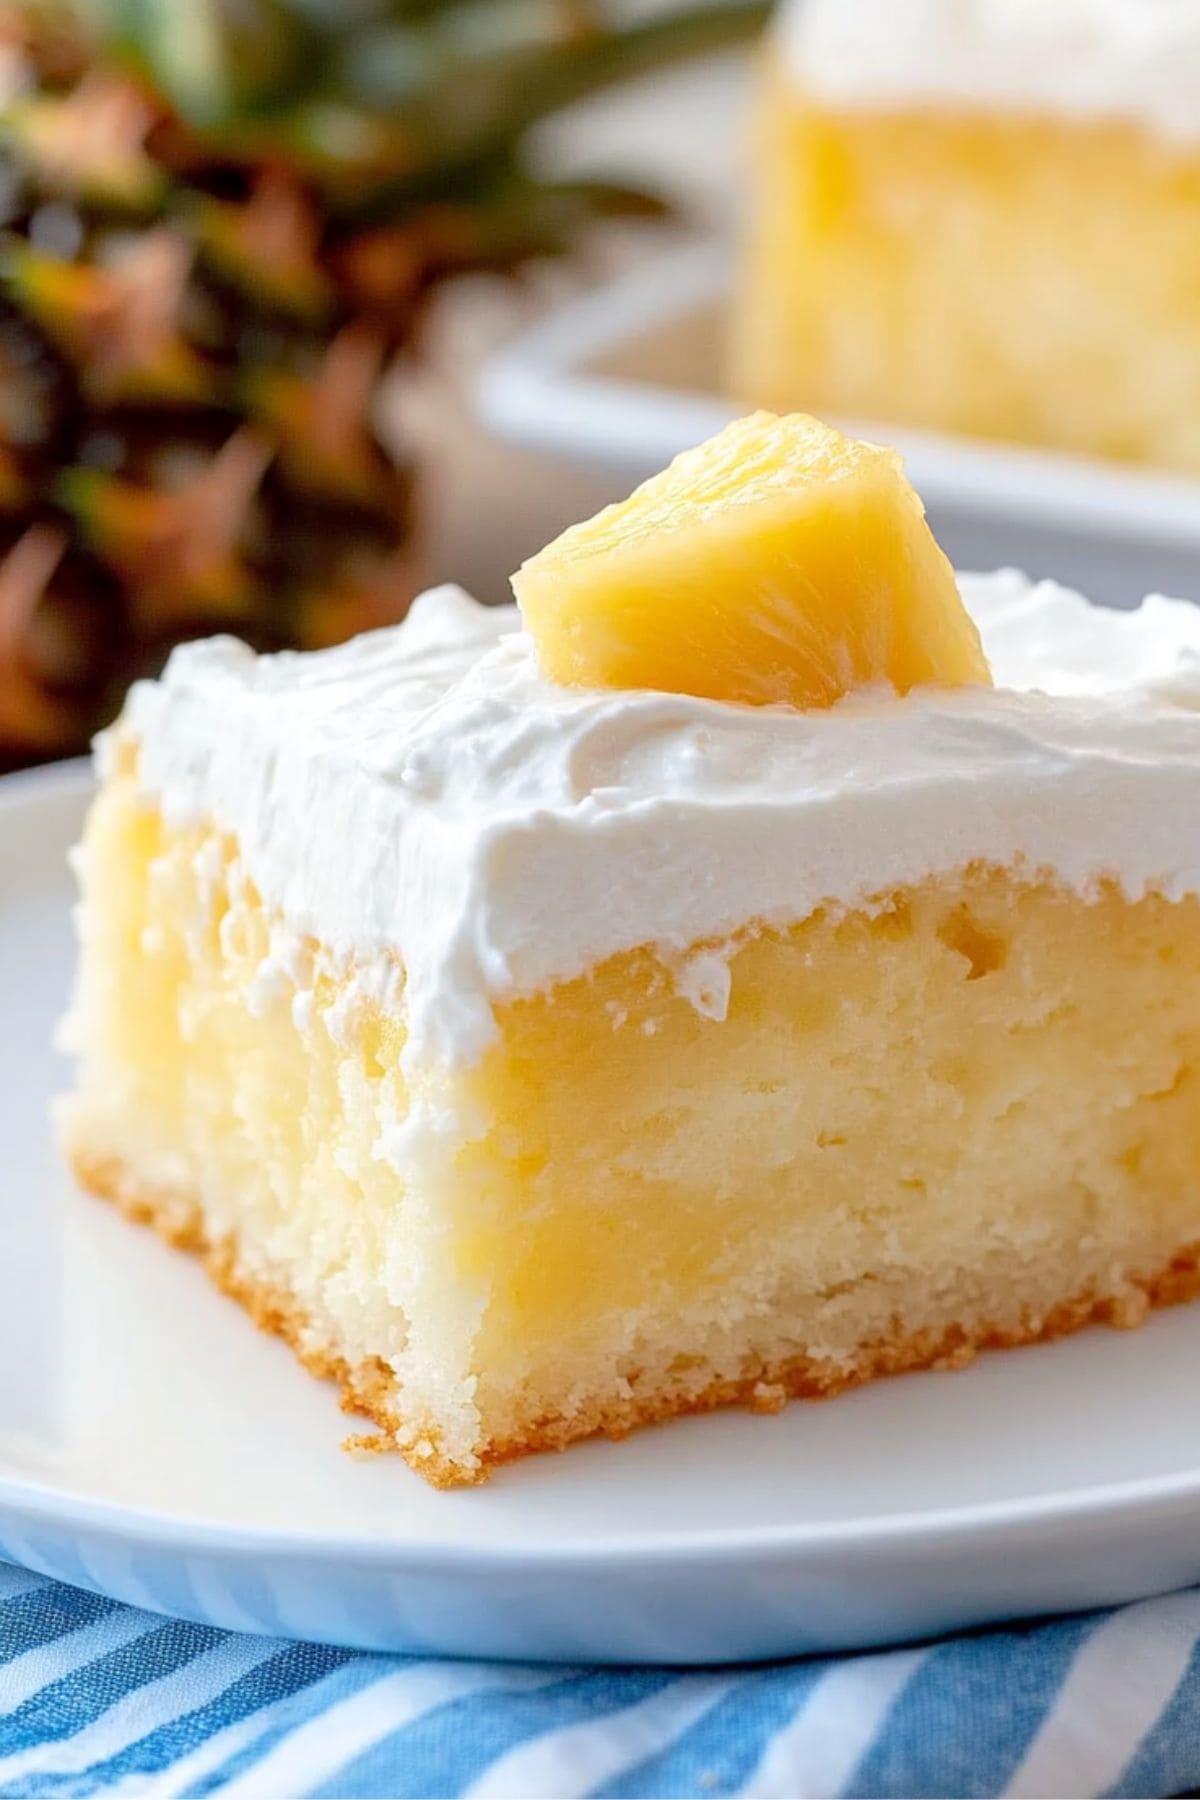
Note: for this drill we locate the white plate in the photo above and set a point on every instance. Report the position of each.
(628, 376)
(155, 1447)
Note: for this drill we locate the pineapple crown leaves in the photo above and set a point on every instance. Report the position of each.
(392, 101)
(382, 110)
(90, 141)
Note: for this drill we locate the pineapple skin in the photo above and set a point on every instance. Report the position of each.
(778, 563)
(1015, 279)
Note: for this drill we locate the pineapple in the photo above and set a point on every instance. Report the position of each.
(220, 224)
(778, 563)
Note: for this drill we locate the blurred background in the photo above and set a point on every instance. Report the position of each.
(308, 304)
(252, 254)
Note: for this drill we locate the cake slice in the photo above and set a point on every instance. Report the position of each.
(980, 217)
(544, 1057)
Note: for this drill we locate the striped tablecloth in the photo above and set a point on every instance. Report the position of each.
(99, 1698)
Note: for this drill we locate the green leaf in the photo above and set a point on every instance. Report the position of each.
(457, 108)
(215, 59)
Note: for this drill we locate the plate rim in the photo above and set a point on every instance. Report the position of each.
(68, 773)
(537, 392)
(935, 1531)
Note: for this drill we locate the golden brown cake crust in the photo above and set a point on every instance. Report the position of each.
(369, 1389)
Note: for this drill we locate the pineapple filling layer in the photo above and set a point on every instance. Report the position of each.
(899, 267)
(961, 1108)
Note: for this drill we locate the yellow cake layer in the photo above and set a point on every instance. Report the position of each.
(969, 1113)
(1027, 280)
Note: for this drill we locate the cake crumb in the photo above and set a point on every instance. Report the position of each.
(363, 1444)
(706, 982)
(1129, 1310)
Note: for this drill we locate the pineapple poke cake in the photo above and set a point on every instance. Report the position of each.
(762, 964)
(981, 216)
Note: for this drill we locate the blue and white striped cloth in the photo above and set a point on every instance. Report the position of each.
(99, 1698)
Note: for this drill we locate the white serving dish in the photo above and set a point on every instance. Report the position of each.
(627, 377)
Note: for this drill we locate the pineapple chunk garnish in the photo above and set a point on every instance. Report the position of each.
(778, 563)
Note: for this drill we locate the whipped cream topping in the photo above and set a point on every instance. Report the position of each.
(425, 793)
(1126, 59)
